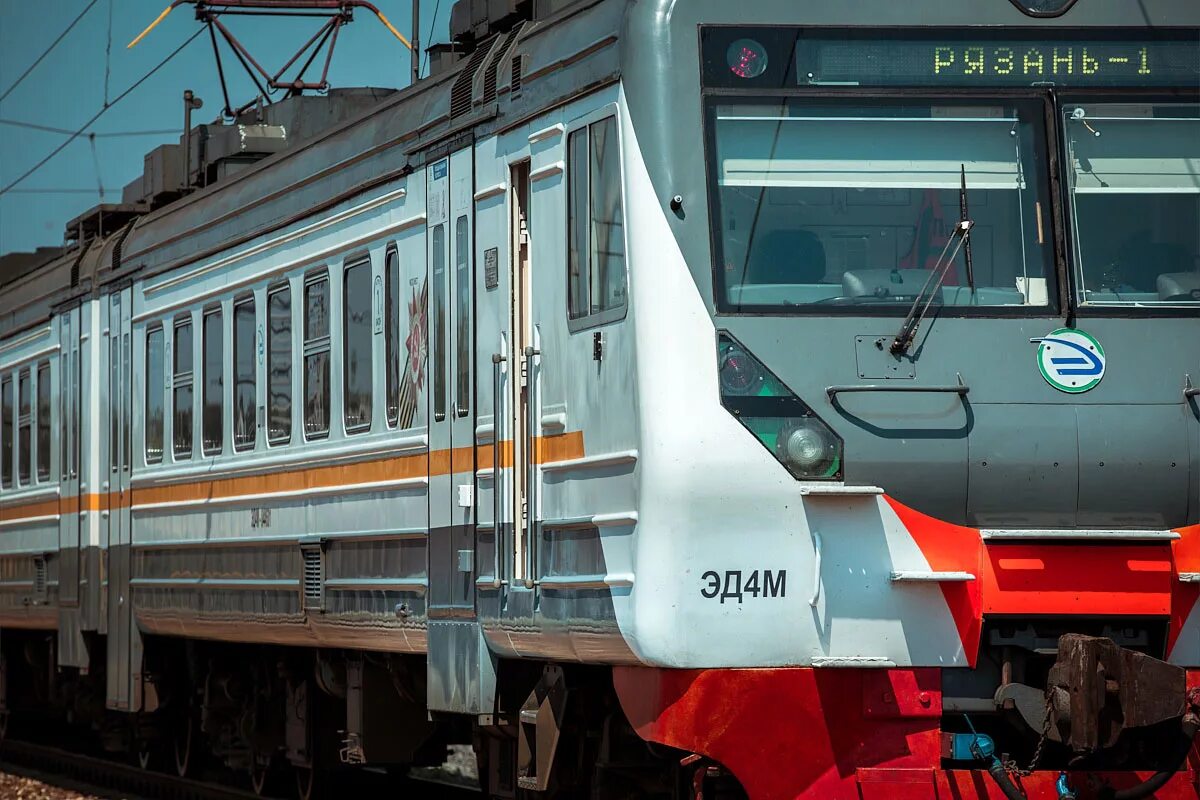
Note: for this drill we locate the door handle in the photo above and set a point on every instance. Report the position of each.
(959, 388)
(497, 538)
(531, 488)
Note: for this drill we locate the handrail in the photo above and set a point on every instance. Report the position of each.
(497, 528)
(960, 388)
(531, 429)
(816, 592)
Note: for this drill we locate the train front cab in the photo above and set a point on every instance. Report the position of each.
(939, 515)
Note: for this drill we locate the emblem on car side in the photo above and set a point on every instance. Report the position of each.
(1070, 360)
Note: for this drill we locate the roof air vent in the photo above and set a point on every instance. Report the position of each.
(461, 91)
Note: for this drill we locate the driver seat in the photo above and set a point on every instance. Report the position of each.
(1174, 284)
(787, 257)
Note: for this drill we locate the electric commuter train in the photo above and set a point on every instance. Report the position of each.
(788, 399)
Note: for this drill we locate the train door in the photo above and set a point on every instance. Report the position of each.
(452, 426)
(124, 649)
(461, 670)
(70, 503)
(441, 415)
(452, 418)
(523, 358)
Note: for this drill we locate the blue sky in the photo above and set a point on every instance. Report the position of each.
(67, 88)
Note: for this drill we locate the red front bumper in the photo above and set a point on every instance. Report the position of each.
(832, 734)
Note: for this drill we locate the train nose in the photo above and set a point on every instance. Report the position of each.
(1068, 466)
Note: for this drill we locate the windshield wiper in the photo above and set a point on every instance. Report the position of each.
(937, 275)
(962, 217)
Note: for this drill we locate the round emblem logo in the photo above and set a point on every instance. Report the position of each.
(1070, 360)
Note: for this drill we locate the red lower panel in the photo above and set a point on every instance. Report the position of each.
(826, 734)
(977, 784)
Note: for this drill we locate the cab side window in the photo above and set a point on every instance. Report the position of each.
(595, 223)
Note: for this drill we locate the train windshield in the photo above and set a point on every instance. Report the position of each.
(819, 204)
(1133, 171)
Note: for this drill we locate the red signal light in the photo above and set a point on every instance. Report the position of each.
(746, 58)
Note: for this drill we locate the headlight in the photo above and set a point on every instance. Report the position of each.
(807, 449)
(778, 419)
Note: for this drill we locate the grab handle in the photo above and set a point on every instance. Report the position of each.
(497, 536)
(960, 388)
(531, 494)
(816, 595)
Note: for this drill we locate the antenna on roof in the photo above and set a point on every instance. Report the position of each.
(336, 13)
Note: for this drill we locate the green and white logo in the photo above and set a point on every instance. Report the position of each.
(1071, 360)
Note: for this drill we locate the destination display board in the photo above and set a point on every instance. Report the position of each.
(788, 57)
(968, 62)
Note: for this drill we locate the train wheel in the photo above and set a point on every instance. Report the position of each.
(258, 777)
(306, 781)
(145, 754)
(183, 744)
(263, 774)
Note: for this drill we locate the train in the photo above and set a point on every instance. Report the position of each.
(664, 399)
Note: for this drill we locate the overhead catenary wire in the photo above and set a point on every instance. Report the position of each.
(429, 36)
(108, 51)
(46, 52)
(96, 164)
(60, 191)
(98, 134)
(74, 135)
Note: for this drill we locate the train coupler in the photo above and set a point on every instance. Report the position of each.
(1096, 693)
(1097, 690)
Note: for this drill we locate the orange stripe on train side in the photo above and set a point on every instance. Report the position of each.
(40, 509)
(561, 447)
(384, 469)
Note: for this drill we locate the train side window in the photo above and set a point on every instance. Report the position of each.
(316, 356)
(595, 223)
(44, 448)
(64, 398)
(212, 423)
(438, 326)
(462, 329)
(391, 337)
(182, 390)
(356, 348)
(154, 395)
(24, 421)
(245, 374)
(279, 365)
(6, 433)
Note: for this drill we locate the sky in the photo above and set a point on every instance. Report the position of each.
(68, 87)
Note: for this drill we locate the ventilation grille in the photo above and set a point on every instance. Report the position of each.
(39, 578)
(313, 577)
(489, 82)
(518, 64)
(491, 77)
(460, 92)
